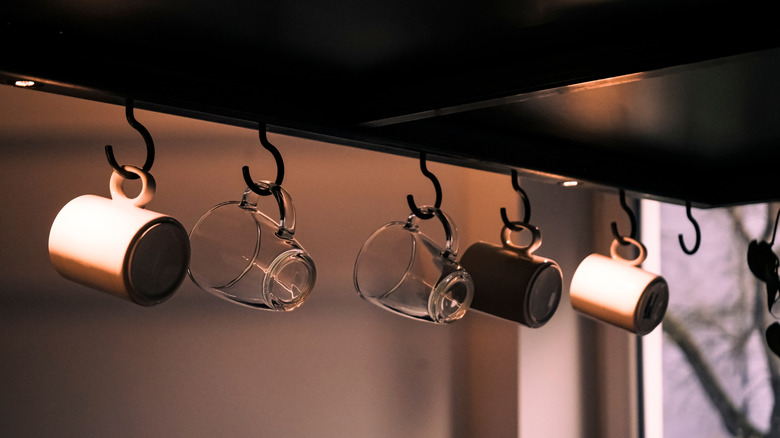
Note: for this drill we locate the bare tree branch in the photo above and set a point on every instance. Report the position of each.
(736, 422)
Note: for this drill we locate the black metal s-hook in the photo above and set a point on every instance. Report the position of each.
(631, 217)
(698, 232)
(410, 199)
(147, 139)
(263, 131)
(526, 205)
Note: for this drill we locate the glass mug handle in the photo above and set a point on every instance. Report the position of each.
(450, 232)
(536, 238)
(284, 201)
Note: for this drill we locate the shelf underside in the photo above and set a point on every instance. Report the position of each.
(671, 100)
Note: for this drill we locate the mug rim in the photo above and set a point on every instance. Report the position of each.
(133, 293)
(409, 264)
(643, 329)
(458, 276)
(279, 262)
(249, 263)
(532, 321)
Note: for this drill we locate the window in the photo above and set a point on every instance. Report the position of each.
(716, 368)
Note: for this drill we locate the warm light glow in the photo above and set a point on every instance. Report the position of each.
(24, 84)
(570, 183)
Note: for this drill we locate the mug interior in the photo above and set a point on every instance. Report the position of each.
(543, 295)
(651, 308)
(157, 262)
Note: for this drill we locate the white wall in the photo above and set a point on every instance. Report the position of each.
(76, 362)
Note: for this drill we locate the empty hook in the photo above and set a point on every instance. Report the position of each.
(526, 205)
(263, 131)
(410, 199)
(147, 139)
(631, 218)
(698, 232)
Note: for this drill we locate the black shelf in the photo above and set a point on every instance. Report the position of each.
(670, 100)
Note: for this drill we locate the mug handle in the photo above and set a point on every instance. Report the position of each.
(450, 231)
(148, 187)
(284, 201)
(635, 262)
(536, 238)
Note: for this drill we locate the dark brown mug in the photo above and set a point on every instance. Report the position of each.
(511, 282)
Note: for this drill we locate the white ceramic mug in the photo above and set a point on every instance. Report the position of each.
(616, 291)
(116, 246)
(402, 270)
(511, 282)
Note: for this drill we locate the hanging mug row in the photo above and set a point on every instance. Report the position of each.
(239, 253)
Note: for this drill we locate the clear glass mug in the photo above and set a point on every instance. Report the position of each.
(402, 270)
(242, 255)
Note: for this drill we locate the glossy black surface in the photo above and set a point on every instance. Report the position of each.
(672, 100)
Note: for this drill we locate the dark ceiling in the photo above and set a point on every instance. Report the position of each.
(670, 100)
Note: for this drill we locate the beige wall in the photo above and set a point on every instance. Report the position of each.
(75, 362)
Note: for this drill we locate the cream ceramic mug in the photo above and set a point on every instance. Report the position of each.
(116, 246)
(616, 291)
